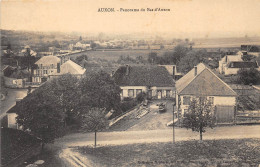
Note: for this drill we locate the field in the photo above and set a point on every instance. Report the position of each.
(243, 152)
(114, 55)
(225, 42)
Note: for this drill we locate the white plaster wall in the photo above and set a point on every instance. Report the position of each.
(229, 71)
(11, 120)
(125, 89)
(222, 100)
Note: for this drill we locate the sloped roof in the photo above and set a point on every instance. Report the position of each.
(20, 74)
(48, 60)
(234, 58)
(69, 67)
(242, 64)
(205, 83)
(143, 76)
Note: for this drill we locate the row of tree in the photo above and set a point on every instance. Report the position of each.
(182, 56)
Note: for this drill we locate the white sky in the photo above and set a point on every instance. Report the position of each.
(189, 17)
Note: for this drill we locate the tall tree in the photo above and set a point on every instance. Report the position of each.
(41, 113)
(191, 59)
(45, 111)
(98, 89)
(200, 115)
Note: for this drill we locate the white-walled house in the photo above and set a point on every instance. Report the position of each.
(46, 65)
(202, 82)
(69, 67)
(231, 64)
(153, 80)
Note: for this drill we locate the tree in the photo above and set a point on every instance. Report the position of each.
(66, 89)
(94, 120)
(79, 59)
(248, 57)
(191, 59)
(248, 76)
(41, 113)
(179, 52)
(152, 57)
(200, 115)
(93, 45)
(45, 111)
(98, 89)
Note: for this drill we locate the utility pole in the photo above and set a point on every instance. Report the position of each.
(95, 138)
(173, 132)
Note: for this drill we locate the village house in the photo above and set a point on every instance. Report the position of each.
(14, 77)
(153, 80)
(69, 67)
(172, 69)
(202, 82)
(27, 49)
(46, 65)
(231, 64)
(250, 50)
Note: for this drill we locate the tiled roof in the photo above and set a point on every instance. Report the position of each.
(234, 58)
(143, 76)
(48, 60)
(20, 74)
(242, 64)
(205, 83)
(69, 67)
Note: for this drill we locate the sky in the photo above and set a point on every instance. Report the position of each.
(190, 18)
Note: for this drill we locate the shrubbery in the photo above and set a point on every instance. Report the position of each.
(128, 103)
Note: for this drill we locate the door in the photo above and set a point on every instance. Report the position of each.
(224, 114)
(159, 94)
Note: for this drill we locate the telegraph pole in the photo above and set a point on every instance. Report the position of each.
(173, 132)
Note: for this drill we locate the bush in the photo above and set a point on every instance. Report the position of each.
(127, 104)
(248, 76)
(141, 97)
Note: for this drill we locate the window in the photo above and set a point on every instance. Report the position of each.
(37, 72)
(138, 91)
(131, 92)
(186, 100)
(40, 66)
(168, 93)
(211, 100)
(121, 92)
(185, 112)
(45, 72)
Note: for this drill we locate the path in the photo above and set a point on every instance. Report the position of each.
(181, 134)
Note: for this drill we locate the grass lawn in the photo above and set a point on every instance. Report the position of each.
(243, 152)
(49, 155)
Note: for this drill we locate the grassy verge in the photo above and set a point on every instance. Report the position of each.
(50, 157)
(243, 152)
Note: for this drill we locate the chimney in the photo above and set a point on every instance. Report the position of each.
(58, 67)
(195, 70)
(127, 70)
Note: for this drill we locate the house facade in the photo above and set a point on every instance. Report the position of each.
(69, 67)
(46, 65)
(155, 81)
(202, 82)
(231, 64)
